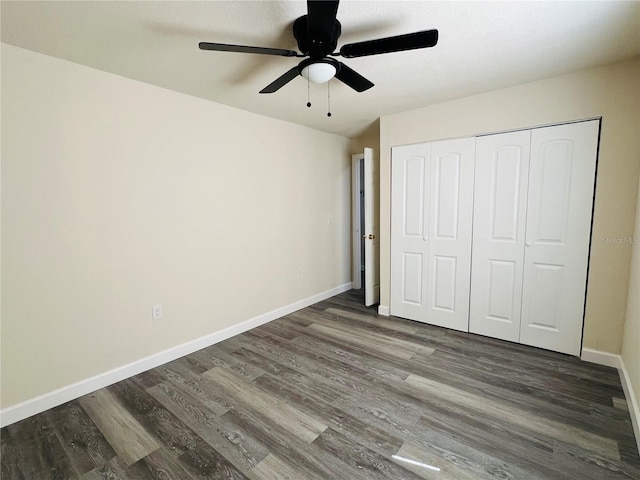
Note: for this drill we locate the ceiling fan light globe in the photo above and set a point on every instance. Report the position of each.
(320, 72)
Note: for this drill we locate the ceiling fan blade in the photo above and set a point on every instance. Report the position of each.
(321, 18)
(225, 47)
(281, 81)
(353, 79)
(409, 41)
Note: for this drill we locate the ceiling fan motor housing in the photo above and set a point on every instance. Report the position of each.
(316, 43)
(317, 34)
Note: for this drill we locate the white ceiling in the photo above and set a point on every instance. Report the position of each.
(483, 46)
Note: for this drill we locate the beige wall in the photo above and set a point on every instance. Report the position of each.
(117, 195)
(612, 92)
(631, 339)
(369, 138)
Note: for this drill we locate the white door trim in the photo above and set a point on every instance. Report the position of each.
(371, 184)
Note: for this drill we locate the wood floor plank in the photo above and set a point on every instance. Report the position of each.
(10, 449)
(335, 391)
(162, 464)
(556, 382)
(217, 356)
(205, 462)
(373, 358)
(302, 359)
(591, 466)
(330, 373)
(518, 447)
(157, 420)
(547, 388)
(544, 426)
(207, 396)
(537, 400)
(368, 462)
(274, 468)
(301, 425)
(311, 388)
(339, 420)
(237, 448)
(393, 346)
(115, 469)
(458, 457)
(620, 403)
(127, 437)
(345, 338)
(339, 376)
(529, 395)
(31, 451)
(533, 361)
(82, 441)
(355, 359)
(310, 352)
(387, 323)
(430, 465)
(280, 441)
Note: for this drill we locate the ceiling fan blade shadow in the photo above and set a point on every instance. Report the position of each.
(398, 43)
(353, 79)
(226, 47)
(281, 81)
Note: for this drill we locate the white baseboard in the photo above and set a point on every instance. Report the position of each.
(601, 358)
(634, 408)
(615, 361)
(57, 397)
(383, 310)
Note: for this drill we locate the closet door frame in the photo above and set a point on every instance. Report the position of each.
(424, 307)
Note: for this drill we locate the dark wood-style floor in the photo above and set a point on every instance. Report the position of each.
(334, 392)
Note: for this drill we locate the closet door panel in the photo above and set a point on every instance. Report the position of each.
(410, 182)
(561, 183)
(444, 283)
(450, 225)
(500, 203)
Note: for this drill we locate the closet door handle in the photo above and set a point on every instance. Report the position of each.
(528, 244)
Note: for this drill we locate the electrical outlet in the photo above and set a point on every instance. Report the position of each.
(156, 311)
(301, 273)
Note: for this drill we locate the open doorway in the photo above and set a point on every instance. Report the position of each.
(366, 231)
(357, 201)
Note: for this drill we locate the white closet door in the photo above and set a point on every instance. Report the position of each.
(500, 205)
(450, 226)
(561, 182)
(410, 180)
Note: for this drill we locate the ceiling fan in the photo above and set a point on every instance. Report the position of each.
(317, 35)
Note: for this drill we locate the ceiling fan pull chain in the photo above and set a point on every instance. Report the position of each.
(329, 98)
(308, 95)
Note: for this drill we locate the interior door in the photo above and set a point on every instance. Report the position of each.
(450, 227)
(371, 229)
(410, 182)
(499, 220)
(561, 184)
(356, 244)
